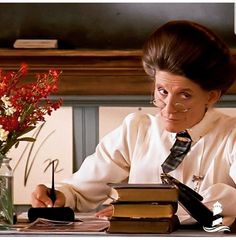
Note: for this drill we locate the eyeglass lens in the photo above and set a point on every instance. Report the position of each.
(180, 107)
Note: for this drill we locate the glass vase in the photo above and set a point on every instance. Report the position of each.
(6, 193)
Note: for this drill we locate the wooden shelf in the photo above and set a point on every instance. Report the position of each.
(87, 72)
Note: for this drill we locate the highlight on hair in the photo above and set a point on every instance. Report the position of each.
(191, 50)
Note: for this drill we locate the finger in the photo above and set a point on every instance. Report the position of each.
(60, 199)
(35, 202)
(106, 212)
(40, 197)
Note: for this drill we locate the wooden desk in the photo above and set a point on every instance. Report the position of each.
(183, 231)
(178, 233)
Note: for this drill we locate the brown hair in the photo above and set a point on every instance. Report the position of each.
(191, 50)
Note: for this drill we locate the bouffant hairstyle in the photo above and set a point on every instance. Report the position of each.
(191, 50)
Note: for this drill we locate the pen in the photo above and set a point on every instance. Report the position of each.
(52, 193)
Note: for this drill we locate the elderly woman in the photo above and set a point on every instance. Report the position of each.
(192, 68)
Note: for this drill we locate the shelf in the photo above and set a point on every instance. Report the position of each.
(87, 72)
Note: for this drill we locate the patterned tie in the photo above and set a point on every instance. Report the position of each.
(177, 153)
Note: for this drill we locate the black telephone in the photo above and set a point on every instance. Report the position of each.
(191, 201)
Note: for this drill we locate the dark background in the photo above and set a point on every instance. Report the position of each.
(106, 25)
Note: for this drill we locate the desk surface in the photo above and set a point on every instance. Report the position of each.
(178, 233)
(182, 232)
(54, 230)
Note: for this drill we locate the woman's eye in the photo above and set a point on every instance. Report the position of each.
(162, 91)
(185, 95)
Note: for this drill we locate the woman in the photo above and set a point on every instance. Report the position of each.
(191, 68)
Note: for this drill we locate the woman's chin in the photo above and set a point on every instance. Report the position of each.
(174, 128)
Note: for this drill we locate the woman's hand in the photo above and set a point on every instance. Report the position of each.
(106, 212)
(40, 197)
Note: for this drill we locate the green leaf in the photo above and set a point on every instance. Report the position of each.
(28, 109)
(29, 139)
(6, 204)
(18, 134)
(16, 145)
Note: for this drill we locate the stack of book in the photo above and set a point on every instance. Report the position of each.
(144, 208)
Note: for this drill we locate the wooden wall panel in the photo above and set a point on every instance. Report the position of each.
(87, 72)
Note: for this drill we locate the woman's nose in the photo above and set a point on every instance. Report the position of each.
(170, 105)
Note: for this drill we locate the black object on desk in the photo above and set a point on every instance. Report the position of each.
(52, 213)
(56, 213)
(191, 201)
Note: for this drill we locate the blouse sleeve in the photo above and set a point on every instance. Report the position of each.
(225, 193)
(110, 163)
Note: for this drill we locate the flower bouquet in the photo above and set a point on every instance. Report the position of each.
(22, 106)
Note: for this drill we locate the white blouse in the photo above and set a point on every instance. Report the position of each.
(135, 151)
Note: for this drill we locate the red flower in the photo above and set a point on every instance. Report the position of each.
(22, 106)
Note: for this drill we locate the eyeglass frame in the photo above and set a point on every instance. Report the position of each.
(185, 109)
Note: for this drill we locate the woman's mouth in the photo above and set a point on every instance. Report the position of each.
(171, 119)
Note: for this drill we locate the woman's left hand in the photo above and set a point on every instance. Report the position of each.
(106, 212)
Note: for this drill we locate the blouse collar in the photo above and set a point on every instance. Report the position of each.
(204, 126)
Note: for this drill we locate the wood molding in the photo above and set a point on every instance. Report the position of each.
(87, 72)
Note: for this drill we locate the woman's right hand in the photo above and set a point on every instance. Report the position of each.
(40, 197)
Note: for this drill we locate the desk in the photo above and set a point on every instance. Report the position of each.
(183, 231)
(178, 233)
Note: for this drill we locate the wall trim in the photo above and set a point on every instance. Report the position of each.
(132, 100)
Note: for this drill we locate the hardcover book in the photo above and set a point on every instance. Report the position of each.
(145, 192)
(143, 225)
(144, 210)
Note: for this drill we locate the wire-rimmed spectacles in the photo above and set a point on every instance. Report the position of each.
(179, 107)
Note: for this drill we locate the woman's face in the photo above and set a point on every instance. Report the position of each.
(172, 89)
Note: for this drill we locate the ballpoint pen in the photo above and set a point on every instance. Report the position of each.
(52, 193)
(52, 213)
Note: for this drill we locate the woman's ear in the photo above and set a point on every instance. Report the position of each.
(213, 97)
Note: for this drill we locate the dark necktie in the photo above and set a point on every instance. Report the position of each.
(177, 153)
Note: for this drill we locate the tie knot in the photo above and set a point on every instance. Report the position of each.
(178, 151)
(183, 136)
